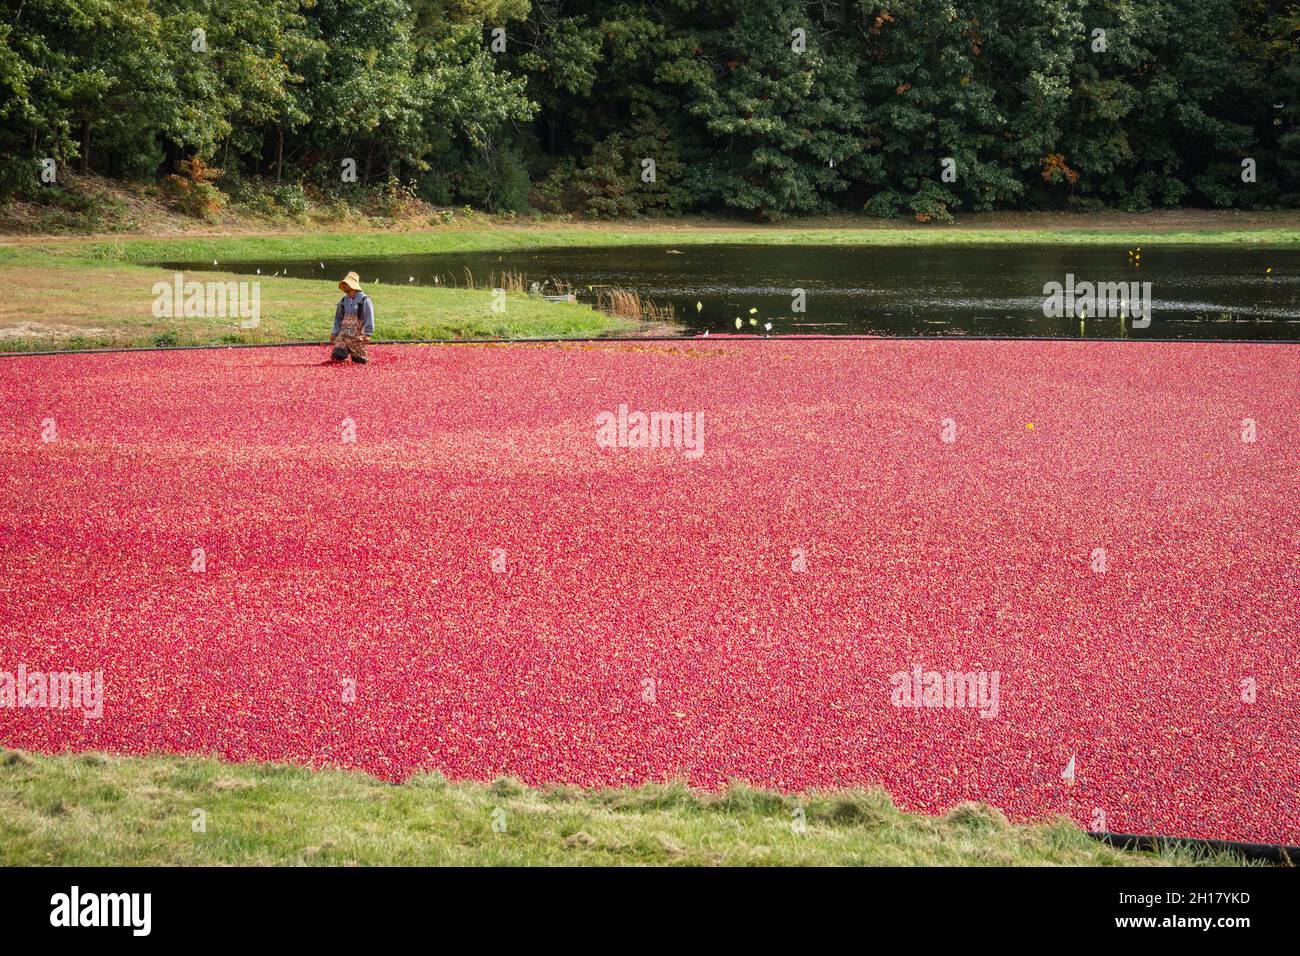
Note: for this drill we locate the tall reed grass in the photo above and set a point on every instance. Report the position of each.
(611, 300)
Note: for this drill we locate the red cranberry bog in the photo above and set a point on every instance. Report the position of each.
(1059, 577)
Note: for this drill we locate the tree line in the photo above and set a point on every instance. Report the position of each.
(765, 108)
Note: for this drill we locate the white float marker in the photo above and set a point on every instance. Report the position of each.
(1068, 774)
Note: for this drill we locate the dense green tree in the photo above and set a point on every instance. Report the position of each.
(766, 108)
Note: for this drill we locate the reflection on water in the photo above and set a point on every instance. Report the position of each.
(1198, 292)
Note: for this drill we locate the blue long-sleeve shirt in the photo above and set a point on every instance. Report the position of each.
(349, 306)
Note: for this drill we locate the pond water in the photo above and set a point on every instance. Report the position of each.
(1196, 292)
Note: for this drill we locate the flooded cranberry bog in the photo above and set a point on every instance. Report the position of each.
(1058, 577)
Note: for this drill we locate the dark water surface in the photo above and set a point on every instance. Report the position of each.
(1198, 292)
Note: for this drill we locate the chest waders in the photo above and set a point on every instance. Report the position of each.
(351, 340)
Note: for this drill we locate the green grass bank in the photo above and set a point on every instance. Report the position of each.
(76, 292)
(89, 809)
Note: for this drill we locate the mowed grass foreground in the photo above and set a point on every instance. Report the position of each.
(90, 809)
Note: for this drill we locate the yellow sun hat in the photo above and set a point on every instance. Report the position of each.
(350, 282)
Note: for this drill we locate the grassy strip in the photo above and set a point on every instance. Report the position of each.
(90, 809)
(73, 303)
(478, 238)
(82, 293)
